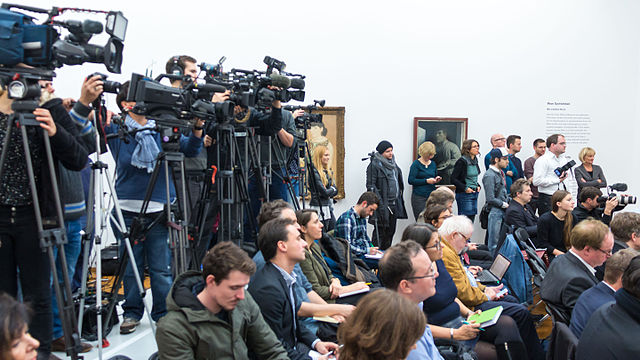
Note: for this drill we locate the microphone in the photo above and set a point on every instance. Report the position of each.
(210, 87)
(297, 83)
(280, 81)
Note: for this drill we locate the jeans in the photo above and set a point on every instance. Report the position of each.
(152, 251)
(20, 251)
(72, 252)
(496, 216)
(467, 203)
(417, 204)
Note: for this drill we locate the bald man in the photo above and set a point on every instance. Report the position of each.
(497, 141)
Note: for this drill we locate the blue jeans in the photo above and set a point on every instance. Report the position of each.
(496, 215)
(153, 251)
(467, 203)
(71, 252)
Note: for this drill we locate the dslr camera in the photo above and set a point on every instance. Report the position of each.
(623, 199)
(559, 170)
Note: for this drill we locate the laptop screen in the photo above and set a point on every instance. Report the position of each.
(500, 266)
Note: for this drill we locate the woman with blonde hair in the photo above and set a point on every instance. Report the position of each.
(588, 174)
(423, 177)
(322, 186)
(385, 325)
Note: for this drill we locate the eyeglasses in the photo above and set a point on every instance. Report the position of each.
(607, 253)
(431, 274)
(475, 146)
(437, 246)
(466, 239)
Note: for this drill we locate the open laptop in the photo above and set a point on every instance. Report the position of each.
(496, 272)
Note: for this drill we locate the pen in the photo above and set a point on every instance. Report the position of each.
(367, 283)
(468, 323)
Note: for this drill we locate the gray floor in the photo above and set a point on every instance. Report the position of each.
(138, 345)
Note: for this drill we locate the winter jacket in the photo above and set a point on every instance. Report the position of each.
(190, 331)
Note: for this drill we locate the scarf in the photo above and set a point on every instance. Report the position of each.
(146, 152)
(389, 169)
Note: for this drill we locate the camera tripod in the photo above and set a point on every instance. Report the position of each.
(98, 217)
(53, 236)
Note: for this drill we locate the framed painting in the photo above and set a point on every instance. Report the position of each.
(447, 134)
(330, 133)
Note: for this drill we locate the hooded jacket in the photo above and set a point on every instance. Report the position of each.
(190, 331)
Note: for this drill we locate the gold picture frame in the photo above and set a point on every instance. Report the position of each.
(331, 134)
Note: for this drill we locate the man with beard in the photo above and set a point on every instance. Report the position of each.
(352, 226)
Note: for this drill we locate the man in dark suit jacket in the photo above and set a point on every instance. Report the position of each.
(572, 273)
(519, 213)
(602, 293)
(612, 332)
(271, 287)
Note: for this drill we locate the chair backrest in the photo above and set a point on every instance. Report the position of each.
(537, 265)
(557, 314)
(563, 344)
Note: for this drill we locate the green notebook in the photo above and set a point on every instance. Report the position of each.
(488, 317)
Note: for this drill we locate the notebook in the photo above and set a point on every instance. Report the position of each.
(488, 317)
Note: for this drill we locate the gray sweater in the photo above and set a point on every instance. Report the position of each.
(494, 188)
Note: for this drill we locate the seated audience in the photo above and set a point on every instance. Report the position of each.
(423, 177)
(311, 303)
(371, 334)
(588, 174)
(465, 178)
(314, 266)
(572, 273)
(588, 206)
(519, 213)
(272, 287)
(352, 226)
(406, 269)
(601, 293)
(612, 332)
(446, 314)
(211, 307)
(495, 193)
(441, 195)
(15, 341)
(454, 233)
(554, 227)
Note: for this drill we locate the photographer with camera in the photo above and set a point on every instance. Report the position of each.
(589, 205)
(135, 161)
(21, 254)
(551, 171)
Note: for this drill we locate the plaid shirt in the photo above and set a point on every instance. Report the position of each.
(353, 228)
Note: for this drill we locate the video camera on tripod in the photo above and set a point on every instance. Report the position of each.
(252, 88)
(40, 45)
(305, 120)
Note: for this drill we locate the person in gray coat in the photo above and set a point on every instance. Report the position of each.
(588, 174)
(495, 191)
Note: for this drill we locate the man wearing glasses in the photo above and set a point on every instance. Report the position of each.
(454, 233)
(497, 141)
(574, 272)
(544, 176)
(407, 269)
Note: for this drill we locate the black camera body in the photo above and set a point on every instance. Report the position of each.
(623, 199)
(559, 170)
(108, 86)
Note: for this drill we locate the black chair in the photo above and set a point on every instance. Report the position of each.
(563, 343)
(557, 314)
(537, 266)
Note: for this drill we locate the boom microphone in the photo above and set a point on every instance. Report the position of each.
(280, 81)
(297, 83)
(210, 87)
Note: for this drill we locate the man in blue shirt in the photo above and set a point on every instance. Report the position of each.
(407, 269)
(602, 293)
(514, 169)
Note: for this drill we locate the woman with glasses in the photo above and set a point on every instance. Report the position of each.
(465, 178)
(436, 214)
(446, 314)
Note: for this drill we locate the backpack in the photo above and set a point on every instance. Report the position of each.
(484, 216)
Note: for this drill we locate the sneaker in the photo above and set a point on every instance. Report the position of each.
(128, 325)
(60, 345)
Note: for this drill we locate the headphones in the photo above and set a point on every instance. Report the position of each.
(176, 68)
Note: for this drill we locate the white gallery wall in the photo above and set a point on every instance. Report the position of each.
(497, 63)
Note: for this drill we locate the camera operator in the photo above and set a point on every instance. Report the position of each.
(135, 161)
(20, 251)
(588, 205)
(544, 176)
(73, 201)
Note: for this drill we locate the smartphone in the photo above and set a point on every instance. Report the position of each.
(502, 292)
